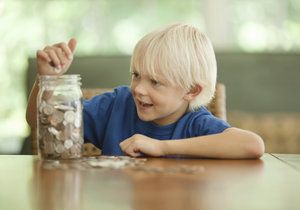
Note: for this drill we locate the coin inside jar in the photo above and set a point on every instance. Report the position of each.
(60, 118)
(68, 144)
(69, 116)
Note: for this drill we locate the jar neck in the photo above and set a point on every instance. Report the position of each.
(65, 80)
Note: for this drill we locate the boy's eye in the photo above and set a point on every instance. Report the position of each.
(155, 82)
(135, 74)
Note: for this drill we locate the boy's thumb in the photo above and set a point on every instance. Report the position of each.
(72, 44)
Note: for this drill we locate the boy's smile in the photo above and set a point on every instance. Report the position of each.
(157, 101)
(144, 105)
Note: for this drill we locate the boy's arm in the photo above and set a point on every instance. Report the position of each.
(233, 143)
(52, 60)
(31, 111)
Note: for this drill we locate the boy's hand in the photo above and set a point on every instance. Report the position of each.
(55, 59)
(139, 144)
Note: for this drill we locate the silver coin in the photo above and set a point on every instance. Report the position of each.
(64, 107)
(48, 109)
(69, 116)
(76, 135)
(56, 118)
(68, 143)
(59, 148)
(77, 122)
(60, 136)
(53, 131)
(57, 70)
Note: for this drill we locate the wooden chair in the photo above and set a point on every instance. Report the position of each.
(217, 107)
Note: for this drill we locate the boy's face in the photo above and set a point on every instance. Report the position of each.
(156, 100)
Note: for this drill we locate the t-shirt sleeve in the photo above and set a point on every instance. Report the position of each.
(209, 124)
(95, 115)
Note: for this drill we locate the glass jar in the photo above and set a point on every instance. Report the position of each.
(59, 117)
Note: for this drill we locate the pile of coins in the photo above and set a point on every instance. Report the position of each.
(123, 162)
(60, 129)
(114, 162)
(98, 162)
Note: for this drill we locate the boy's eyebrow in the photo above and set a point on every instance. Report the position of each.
(154, 78)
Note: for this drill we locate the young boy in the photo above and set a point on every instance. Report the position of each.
(173, 75)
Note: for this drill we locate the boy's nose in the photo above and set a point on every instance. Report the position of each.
(140, 89)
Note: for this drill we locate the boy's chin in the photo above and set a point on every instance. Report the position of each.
(145, 118)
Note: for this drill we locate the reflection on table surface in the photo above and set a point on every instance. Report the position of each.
(267, 183)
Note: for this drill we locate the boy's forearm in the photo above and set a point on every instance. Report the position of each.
(233, 143)
(31, 111)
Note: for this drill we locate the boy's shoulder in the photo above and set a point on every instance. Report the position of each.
(203, 116)
(205, 121)
(201, 112)
(122, 93)
(123, 89)
(202, 122)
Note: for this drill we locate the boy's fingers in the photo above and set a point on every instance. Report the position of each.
(65, 48)
(61, 56)
(124, 144)
(54, 58)
(43, 55)
(137, 153)
(72, 44)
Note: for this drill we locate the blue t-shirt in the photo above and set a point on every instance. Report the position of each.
(111, 118)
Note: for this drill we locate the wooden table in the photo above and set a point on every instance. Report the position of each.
(291, 159)
(268, 183)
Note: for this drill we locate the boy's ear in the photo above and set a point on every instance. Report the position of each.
(196, 90)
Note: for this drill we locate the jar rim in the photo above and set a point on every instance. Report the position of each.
(55, 80)
(64, 76)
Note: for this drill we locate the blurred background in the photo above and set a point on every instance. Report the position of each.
(257, 44)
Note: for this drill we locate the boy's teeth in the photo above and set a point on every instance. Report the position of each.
(145, 104)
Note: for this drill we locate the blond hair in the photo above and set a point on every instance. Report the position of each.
(183, 56)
